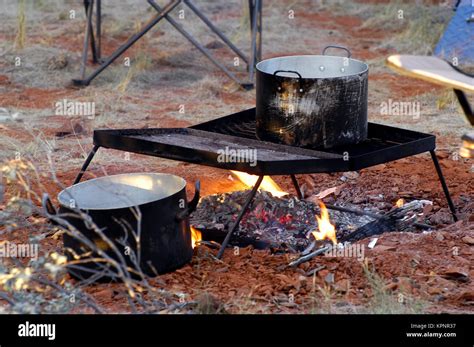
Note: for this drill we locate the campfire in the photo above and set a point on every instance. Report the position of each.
(279, 221)
(326, 230)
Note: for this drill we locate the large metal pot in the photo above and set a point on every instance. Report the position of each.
(312, 100)
(153, 205)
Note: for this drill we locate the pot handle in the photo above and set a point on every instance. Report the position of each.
(49, 208)
(290, 71)
(195, 200)
(192, 205)
(280, 88)
(349, 54)
(48, 205)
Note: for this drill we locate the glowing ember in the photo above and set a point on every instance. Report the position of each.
(196, 236)
(268, 184)
(400, 203)
(326, 229)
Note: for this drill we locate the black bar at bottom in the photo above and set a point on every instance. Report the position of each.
(381, 330)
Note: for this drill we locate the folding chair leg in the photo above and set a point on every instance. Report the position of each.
(88, 5)
(98, 28)
(168, 8)
(216, 30)
(196, 44)
(253, 47)
(258, 54)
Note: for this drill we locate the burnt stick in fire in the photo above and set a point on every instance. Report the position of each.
(398, 219)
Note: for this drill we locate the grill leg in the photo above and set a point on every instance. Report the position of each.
(86, 164)
(443, 184)
(297, 187)
(239, 217)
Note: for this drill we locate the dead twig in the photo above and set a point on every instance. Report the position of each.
(315, 270)
(310, 256)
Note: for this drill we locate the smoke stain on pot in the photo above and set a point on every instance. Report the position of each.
(318, 108)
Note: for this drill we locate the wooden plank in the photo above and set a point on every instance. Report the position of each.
(431, 69)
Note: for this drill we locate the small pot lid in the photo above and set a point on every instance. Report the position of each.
(121, 191)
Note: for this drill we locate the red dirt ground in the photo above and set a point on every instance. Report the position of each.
(425, 267)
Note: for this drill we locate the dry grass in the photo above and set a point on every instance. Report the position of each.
(418, 27)
(20, 37)
(383, 301)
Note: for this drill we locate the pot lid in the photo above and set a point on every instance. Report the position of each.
(121, 191)
(313, 66)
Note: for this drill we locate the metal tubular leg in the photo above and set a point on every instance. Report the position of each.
(258, 54)
(90, 4)
(466, 107)
(195, 43)
(85, 47)
(86, 164)
(216, 30)
(168, 8)
(98, 28)
(299, 193)
(253, 47)
(443, 184)
(239, 217)
(251, 9)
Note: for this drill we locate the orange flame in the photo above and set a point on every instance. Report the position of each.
(400, 203)
(196, 236)
(268, 184)
(326, 229)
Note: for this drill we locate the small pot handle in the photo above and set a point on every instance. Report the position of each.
(49, 208)
(349, 54)
(192, 205)
(280, 88)
(48, 205)
(290, 71)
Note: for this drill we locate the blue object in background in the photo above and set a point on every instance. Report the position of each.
(458, 38)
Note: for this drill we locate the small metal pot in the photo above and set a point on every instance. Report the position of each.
(151, 204)
(312, 100)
